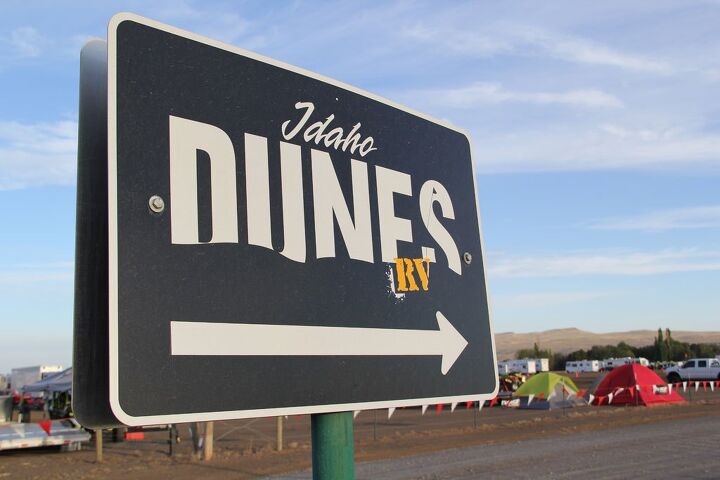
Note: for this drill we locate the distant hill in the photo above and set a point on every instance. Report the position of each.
(566, 340)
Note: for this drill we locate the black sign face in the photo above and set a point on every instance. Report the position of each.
(281, 243)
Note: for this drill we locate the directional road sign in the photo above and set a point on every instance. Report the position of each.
(282, 243)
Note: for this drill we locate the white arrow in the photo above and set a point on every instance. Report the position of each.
(205, 338)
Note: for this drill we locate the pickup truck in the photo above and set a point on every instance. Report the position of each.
(695, 369)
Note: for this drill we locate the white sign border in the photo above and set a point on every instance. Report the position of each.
(117, 410)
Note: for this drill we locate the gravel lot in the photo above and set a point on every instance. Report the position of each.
(671, 449)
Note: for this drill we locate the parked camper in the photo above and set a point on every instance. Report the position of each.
(610, 363)
(541, 364)
(641, 361)
(503, 368)
(19, 377)
(580, 366)
(524, 365)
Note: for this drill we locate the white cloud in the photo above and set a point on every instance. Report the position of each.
(580, 50)
(37, 154)
(663, 220)
(71, 47)
(530, 41)
(459, 41)
(572, 149)
(645, 134)
(47, 265)
(491, 93)
(15, 278)
(545, 299)
(226, 26)
(712, 74)
(34, 274)
(26, 42)
(602, 263)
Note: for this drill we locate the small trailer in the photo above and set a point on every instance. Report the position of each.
(610, 363)
(541, 364)
(503, 368)
(524, 365)
(66, 433)
(581, 366)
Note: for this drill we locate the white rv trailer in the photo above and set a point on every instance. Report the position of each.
(541, 364)
(580, 366)
(642, 361)
(517, 366)
(610, 363)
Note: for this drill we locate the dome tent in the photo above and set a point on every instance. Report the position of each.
(634, 384)
(549, 390)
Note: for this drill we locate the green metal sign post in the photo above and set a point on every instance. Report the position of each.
(333, 449)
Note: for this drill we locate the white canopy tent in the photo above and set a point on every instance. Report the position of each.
(60, 382)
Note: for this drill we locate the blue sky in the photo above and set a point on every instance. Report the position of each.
(596, 132)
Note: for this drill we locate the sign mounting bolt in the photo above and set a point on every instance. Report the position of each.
(467, 257)
(156, 203)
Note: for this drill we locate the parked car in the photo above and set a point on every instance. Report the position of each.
(695, 369)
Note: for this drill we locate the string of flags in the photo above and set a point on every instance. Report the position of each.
(705, 384)
(712, 384)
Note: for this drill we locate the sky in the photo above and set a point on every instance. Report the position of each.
(595, 129)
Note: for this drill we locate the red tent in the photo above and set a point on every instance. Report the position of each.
(634, 384)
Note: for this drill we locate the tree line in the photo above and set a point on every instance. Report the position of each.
(663, 349)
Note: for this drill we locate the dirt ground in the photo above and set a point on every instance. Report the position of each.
(246, 448)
